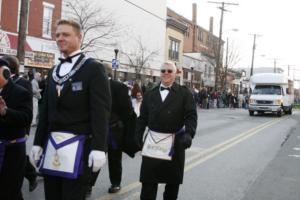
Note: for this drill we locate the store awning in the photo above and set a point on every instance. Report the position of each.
(9, 45)
(14, 42)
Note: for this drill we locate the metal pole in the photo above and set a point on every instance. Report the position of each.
(226, 64)
(116, 57)
(192, 77)
(253, 51)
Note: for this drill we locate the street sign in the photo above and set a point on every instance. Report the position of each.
(115, 64)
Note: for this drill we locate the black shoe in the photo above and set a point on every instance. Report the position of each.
(114, 188)
(32, 185)
(89, 191)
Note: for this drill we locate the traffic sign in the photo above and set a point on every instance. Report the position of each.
(115, 63)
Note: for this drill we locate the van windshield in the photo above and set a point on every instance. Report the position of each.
(267, 89)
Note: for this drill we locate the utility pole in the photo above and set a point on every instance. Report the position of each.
(226, 64)
(22, 32)
(253, 52)
(217, 69)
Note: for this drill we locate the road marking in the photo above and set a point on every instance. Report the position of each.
(204, 155)
(296, 149)
(296, 156)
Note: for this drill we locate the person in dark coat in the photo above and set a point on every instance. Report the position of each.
(15, 117)
(14, 65)
(169, 112)
(76, 104)
(121, 112)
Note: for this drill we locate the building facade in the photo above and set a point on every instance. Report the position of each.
(40, 47)
(174, 44)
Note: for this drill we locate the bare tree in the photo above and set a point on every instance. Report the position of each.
(98, 27)
(139, 57)
(232, 57)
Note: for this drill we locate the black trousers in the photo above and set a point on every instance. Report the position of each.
(30, 172)
(59, 188)
(115, 166)
(12, 172)
(149, 191)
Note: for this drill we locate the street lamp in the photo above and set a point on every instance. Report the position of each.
(192, 68)
(116, 60)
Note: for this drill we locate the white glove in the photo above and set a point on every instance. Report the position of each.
(35, 154)
(97, 159)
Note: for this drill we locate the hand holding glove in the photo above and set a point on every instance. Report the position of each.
(35, 154)
(186, 140)
(96, 159)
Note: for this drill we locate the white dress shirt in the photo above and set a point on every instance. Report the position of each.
(66, 67)
(163, 93)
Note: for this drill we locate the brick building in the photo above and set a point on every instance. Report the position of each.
(200, 50)
(40, 47)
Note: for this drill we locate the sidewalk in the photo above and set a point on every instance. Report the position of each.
(281, 178)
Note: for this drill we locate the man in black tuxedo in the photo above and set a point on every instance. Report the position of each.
(76, 102)
(15, 117)
(14, 65)
(169, 111)
(119, 127)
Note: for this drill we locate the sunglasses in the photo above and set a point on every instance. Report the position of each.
(166, 70)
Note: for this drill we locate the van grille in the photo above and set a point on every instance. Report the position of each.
(264, 102)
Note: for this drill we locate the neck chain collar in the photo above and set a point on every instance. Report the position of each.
(63, 79)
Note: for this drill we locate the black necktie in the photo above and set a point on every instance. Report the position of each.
(164, 88)
(68, 59)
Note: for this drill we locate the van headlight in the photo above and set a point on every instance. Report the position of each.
(278, 102)
(252, 101)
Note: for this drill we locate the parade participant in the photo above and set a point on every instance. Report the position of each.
(73, 120)
(15, 117)
(14, 65)
(119, 123)
(169, 111)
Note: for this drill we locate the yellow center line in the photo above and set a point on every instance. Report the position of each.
(204, 155)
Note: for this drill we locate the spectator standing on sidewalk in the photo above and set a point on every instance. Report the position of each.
(169, 112)
(36, 91)
(74, 119)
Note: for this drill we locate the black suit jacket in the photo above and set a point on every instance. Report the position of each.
(122, 111)
(19, 113)
(82, 108)
(170, 116)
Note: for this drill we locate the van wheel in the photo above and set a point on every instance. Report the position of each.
(251, 113)
(279, 113)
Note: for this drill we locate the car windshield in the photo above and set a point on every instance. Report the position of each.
(267, 89)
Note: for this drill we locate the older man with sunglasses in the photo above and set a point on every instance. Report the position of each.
(169, 112)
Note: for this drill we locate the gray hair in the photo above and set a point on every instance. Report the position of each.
(169, 63)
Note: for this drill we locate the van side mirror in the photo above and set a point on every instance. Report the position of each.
(287, 91)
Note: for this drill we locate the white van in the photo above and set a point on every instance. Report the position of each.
(271, 92)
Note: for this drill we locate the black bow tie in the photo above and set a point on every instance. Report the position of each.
(63, 60)
(68, 59)
(164, 88)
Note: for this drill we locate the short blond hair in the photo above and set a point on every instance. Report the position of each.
(75, 25)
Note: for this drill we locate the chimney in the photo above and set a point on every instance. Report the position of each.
(211, 25)
(194, 13)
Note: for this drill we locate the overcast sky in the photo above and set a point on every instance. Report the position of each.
(275, 20)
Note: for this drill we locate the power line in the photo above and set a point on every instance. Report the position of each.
(143, 9)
